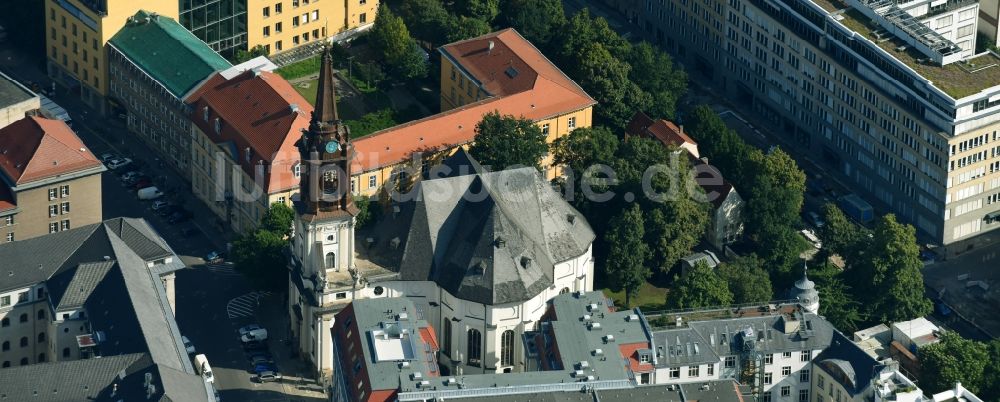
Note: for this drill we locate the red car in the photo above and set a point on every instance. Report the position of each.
(141, 184)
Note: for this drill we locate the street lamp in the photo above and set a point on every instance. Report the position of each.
(349, 58)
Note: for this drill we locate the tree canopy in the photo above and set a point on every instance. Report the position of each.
(628, 252)
(259, 255)
(392, 42)
(505, 141)
(701, 287)
(278, 219)
(654, 70)
(538, 20)
(747, 279)
(888, 275)
(953, 359)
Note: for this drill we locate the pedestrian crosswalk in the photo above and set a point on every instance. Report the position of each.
(245, 305)
(224, 269)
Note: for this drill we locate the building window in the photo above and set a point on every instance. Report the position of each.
(4, 302)
(24, 318)
(277, 28)
(267, 12)
(6, 363)
(820, 382)
(53, 227)
(64, 208)
(767, 378)
(571, 123)
(41, 314)
(507, 348)
(730, 361)
(10, 237)
(66, 352)
(786, 371)
(6, 346)
(768, 358)
(371, 181)
(277, 8)
(277, 45)
(23, 297)
(9, 220)
(52, 194)
(53, 210)
(446, 336)
(804, 375)
(711, 370)
(805, 356)
(5, 322)
(267, 31)
(315, 15)
(475, 347)
(295, 21)
(693, 371)
(545, 129)
(41, 337)
(64, 191)
(24, 361)
(24, 341)
(787, 355)
(803, 395)
(363, 18)
(675, 372)
(765, 397)
(786, 390)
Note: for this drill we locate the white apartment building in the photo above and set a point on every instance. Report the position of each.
(891, 96)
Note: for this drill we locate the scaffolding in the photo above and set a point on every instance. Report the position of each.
(751, 369)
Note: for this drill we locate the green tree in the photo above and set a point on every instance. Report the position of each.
(626, 262)
(427, 19)
(654, 71)
(840, 235)
(278, 219)
(585, 147)
(505, 141)
(390, 39)
(726, 149)
(991, 376)
(781, 248)
(368, 211)
(581, 31)
(259, 255)
(606, 78)
(953, 359)
(462, 28)
(776, 193)
(837, 303)
(701, 287)
(888, 273)
(538, 20)
(372, 122)
(484, 10)
(243, 55)
(747, 279)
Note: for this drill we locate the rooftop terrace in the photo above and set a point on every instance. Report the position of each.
(958, 80)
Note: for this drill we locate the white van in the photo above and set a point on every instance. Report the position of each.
(149, 193)
(257, 334)
(201, 365)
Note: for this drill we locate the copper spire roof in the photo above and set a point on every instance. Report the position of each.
(326, 95)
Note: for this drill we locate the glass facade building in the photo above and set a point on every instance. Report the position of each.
(222, 24)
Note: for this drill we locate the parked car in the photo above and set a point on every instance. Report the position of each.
(188, 345)
(815, 220)
(116, 163)
(201, 365)
(255, 335)
(248, 328)
(149, 193)
(264, 366)
(215, 257)
(130, 174)
(105, 157)
(158, 205)
(180, 216)
(267, 376)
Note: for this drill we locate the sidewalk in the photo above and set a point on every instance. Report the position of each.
(297, 377)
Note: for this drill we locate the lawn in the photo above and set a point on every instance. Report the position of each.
(307, 89)
(650, 297)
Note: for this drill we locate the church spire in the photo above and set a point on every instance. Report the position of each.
(326, 94)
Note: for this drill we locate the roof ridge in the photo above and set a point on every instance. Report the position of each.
(557, 68)
(480, 37)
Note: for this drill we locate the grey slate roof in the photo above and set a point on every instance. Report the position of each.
(488, 237)
(717, 391)
(96, 267)
(847, 363)
(71, 381)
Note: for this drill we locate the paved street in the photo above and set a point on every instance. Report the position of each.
(204, 292)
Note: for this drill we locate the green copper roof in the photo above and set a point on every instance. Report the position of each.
(167, 52)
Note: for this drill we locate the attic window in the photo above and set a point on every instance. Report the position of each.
(511, 72)
(204, 113)
(248, 154)
(218, 125)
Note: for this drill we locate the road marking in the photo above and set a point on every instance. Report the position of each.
(222, 269)
(244, 306)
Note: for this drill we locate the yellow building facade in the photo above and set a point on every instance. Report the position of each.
(76, 33)
(281, 25)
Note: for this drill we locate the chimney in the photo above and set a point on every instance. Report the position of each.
(490, 50)
(293, 107)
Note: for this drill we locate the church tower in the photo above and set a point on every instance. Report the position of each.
(805, 292)
(325, 211)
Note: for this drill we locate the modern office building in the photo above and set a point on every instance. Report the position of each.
(49, 181)
(76, 33)
(154, 64)
(228, 26)
(893, 97)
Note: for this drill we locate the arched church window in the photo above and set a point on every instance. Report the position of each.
(331, 260)
(475, 347)
(507, 348)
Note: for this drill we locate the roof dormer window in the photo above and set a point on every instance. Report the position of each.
(204, 113)
(218, 125)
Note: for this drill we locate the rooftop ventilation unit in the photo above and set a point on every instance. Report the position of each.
(402, 317)
(609, 338)
(423, 384)
(578, 373)
(586, 317)
(594, 326)
(632, 318)
(451, 381)
(598, 352)
(416, 376)
(592, 307)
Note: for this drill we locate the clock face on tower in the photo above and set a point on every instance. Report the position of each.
(332, 147)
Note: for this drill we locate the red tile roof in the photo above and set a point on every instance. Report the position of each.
(36, 148)
(630, 351)
(538, 91)
(255, 111)
(6, 198)
(666, 132)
